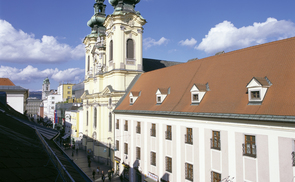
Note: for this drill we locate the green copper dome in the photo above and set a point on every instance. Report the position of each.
(97, 20)
(46, 81)
(124, 5)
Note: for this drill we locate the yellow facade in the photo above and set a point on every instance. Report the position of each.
(106, 79)
(67, 91)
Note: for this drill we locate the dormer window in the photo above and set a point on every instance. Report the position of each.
(133, 96)
(197, 93)
(257, 89)
(161, 94)
(195, 97)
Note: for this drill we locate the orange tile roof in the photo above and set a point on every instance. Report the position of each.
(6, 82)
(227, 75)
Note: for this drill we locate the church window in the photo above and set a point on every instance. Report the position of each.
(130, 49)
(111, 50)
(88, 63)
(95, 117)
(110, 121)
(87, 118)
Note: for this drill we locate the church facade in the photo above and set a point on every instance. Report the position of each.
(113, 60)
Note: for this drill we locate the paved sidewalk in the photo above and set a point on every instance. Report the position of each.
(81, 160)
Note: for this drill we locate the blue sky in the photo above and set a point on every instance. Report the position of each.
(40, 39)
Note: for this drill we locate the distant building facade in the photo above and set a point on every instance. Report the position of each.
(33, 106)
(65, 90)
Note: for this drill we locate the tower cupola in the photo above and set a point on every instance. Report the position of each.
(124, 5)
(97, 20)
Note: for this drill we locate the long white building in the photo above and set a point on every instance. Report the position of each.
(228, 117)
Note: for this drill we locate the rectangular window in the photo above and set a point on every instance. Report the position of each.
(69, 92)
(216, 177)
(138, 153)
(87, 118)
(159, 99)
(255, 95)
(153, 158)
(215, 140)
(117, 145)
(52, 102)
(195, 97)
(168, 133)
(169, 164)
(249, 147)
(126, 125)
(153, 130)
(52, 98)
(138, 128)
(117, 124)
(189, 136)
(126, 148)
(189, 172)
(69, 87)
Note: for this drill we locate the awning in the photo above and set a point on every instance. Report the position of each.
(66, 136)
(149, 180)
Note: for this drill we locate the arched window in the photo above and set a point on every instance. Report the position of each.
(95, 118)
(87, 118)
(130, 49)
(110, 121)
(88, 63)
(111, 50)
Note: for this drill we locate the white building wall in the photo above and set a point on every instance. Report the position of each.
(16, 101)
(273, 160)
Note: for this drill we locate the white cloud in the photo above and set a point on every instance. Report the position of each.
(31, 74)
(149, 42)
(18, 46)
(225, 36)
(188, 42)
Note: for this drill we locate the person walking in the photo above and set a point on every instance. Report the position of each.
(102, 176)
(112, 172)
(97, 170)
(93, 173)
(110, 175)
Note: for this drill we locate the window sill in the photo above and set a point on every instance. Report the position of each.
(249, 155)
(216, 148)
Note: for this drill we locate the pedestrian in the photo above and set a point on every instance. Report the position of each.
(89, 163)
(97, 170)
(110, 175)
(121, 177)
(72, 153)
(102, 176)
(93, 173)
(112, 172)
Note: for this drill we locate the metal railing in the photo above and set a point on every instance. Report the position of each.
(60, 168)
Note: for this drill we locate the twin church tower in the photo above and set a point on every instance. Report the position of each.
(113, 59)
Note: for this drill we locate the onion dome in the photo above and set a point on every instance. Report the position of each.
(124, 5)
(97, 20)
(46, 81)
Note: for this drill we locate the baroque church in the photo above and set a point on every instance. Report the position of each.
(113, 61)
